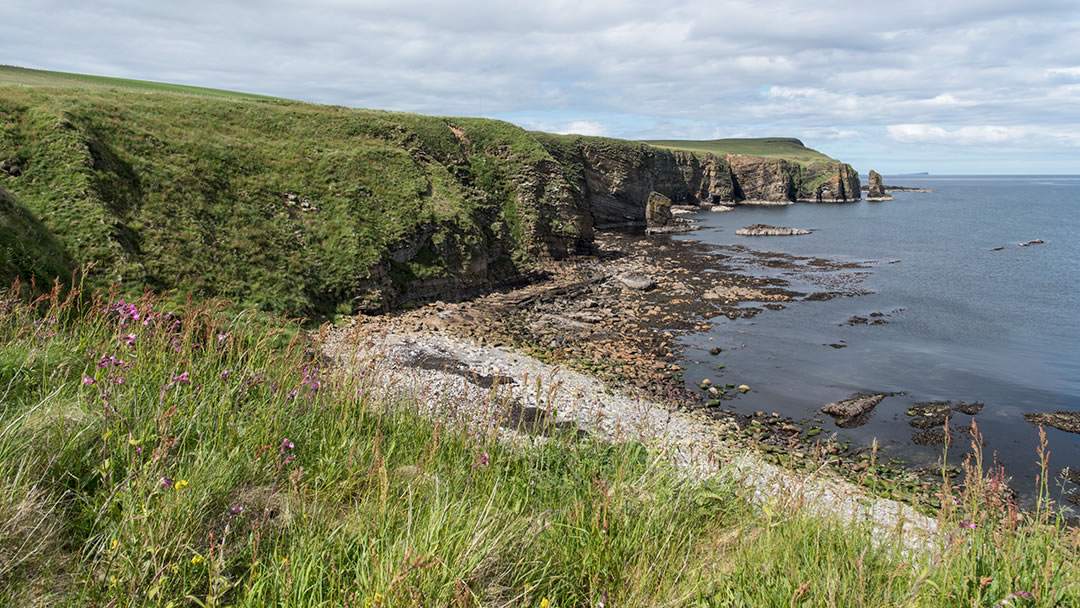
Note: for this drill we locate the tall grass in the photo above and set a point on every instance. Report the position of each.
(179, 457)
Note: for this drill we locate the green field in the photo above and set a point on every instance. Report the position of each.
(43, 78)
(787, 148)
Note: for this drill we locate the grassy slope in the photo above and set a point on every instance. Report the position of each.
(171, 458)
(43, 78)
(193, 192)
(769, 147)
(27, 249)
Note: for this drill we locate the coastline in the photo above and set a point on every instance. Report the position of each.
(605, 326)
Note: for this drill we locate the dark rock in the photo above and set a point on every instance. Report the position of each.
(658, 211)
(1064, 421)
(716, 350)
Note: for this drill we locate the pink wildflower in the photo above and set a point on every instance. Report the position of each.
(87, 380)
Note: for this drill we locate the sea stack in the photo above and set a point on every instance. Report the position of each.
(877, 189)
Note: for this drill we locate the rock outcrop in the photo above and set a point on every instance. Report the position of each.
(853, 412)
(769, 230)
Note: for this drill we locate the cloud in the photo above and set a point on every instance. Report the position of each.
(982, 134)
(828, 71)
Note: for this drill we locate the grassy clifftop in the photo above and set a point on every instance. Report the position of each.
(786, 148)
(301, 208)
(282, 205)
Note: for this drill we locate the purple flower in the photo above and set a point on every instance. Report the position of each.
(119, 380)
(166, 483)
(236, 510)
(286, 445)
(967, 523)
(222, 337)
(182, 378)
(225, 374)
(87, 380)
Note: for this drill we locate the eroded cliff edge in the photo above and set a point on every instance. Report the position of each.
(320, 210)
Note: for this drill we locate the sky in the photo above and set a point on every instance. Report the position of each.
(944, 86)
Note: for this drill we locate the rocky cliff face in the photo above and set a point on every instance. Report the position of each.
(613, 179)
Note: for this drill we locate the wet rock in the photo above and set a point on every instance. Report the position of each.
(1063, 421)
(853, 412)
(769, 230)
(715, 351)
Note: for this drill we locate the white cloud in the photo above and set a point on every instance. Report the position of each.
(982, 134)
(582, 127)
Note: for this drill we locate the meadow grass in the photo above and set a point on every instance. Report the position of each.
(158, 455)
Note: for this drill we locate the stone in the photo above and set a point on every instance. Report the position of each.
(637, 281)
(769, 230)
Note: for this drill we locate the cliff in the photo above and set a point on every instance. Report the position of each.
(319, 210)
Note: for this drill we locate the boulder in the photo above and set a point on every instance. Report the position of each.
(637, 281)
(658, 211)
(853, 412)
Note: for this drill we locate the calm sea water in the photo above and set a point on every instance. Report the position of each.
(964, 323)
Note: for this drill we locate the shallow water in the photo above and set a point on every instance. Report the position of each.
(964, 322)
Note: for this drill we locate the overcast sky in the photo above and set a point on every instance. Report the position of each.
(946, 86)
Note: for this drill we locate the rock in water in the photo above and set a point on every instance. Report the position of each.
(658, 211)
(767, 230)
(852, 412)
(1064, 421)
(877, 188)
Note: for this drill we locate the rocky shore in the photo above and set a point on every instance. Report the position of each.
(615, 317)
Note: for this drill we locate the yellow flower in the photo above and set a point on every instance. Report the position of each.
(528, 587)
(115, 543)
(197, 559)
(544, 603)
(112, 580)
(180, 485)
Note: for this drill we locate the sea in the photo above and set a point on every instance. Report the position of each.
(960, 319)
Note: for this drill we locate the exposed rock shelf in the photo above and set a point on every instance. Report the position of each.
(769, 230)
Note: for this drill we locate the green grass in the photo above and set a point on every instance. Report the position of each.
(787, 148)
(283, 206)
(13, 75)
(216, 462)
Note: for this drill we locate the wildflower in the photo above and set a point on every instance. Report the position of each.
(528, 587)
(182, 378)
(119, 381)
(180, 485)
(225, 374)
(115, 543)
(112, 580)
(197, 559)
(166, 483)
(544, 603)
(236, 510)
(967, 523)
(483, 460)
(222, 337)
(129, 340)
(87, 380)
(286, 445)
